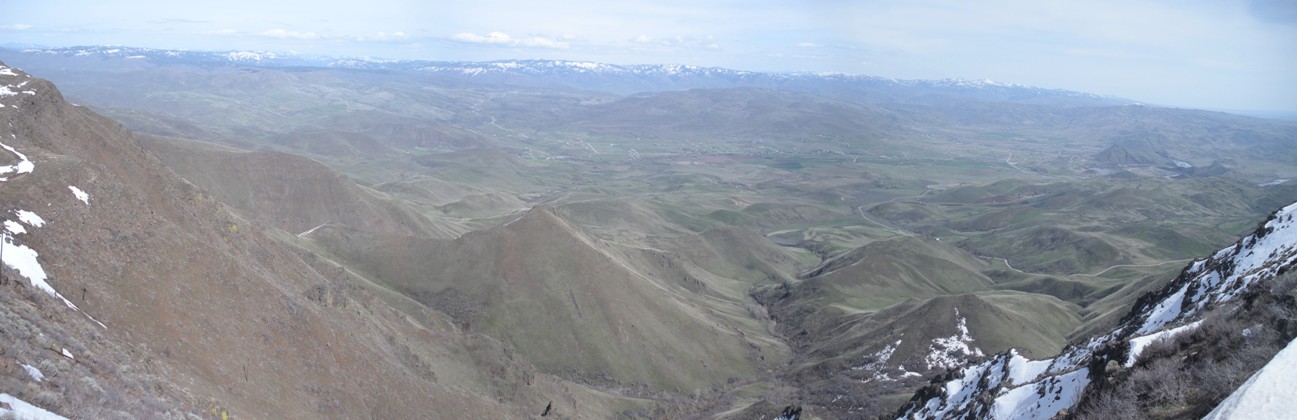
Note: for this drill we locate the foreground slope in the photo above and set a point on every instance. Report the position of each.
(1011, 386)
(1267, 394)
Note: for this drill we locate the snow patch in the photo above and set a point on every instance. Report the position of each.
(24, 165)
(1273, 183)
(24, 410)
(311, 230)
(1138, 344)
(14, 227)
(953, 351)
(878, 365)
(81, 195)
(30, 218)
(1164, 312)
(1041, 400)
(879, 358)
(34, 372)
(23, 259)
(1022, 370)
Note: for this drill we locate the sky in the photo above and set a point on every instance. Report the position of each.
(1214, 54)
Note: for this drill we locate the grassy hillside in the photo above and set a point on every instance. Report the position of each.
(568, 303)
(290, 192)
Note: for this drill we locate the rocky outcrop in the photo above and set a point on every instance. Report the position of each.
(1008, 386)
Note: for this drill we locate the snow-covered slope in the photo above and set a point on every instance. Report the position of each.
(24, 410)
(1008, 386)
(1267, 394)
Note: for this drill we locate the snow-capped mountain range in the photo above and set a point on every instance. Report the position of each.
(613, 78)
(1009, 386)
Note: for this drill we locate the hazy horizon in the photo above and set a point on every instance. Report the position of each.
(1231, 55)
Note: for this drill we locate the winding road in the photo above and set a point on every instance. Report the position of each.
(1100, 273)
(865, 215)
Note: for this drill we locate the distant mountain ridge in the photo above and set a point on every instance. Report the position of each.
(613, 78)
(136, 53)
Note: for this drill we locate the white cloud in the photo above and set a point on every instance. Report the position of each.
(384, 36)
(16, 27)
(642, 39)
(311, 36)
(543, 42)
(501, 38)
(807, 44)
(491, 38)
(687, 42)
(673, 41)
(285, 34)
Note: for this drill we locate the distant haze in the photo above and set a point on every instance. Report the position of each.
(1217, 54)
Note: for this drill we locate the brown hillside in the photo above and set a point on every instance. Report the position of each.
(289, 192)
(203, 312)
(567, 303)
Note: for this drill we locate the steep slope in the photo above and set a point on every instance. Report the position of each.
(136, 295)
(1049, 249)
(290, 192)
(868, 326)
(1132, 151)
(1265, 394)
(570, 304)
(1187, 371)
(920, 332)
(885, 272)
(1011, 386)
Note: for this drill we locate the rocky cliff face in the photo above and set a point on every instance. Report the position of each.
(1011, 386)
